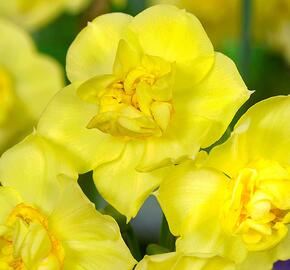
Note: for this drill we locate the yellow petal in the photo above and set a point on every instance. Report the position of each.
(121, 185)
(93, 51)
(91, 89)
(191, 198)
(176, 36)
(127, 58)
(201, 115)
(12, 39)
(75, 6)
(176, 261)
(91, 240)
(36, 245)
(218, 97)
(30, 166)
(9, 198)
(267, 258)
(65, 123)
(262, 132)
(38, 82)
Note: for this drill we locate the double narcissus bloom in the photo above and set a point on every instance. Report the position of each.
(46, 222)
(34, 14)
(146, 92)
(28, 80)
(236, 201)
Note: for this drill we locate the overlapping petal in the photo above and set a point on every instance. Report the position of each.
(186, 193)
(91, 240)
(94, 50)
(179, 261)
(262, 132)
(124, 187)
(65, 123)
(31, 167)
(176, 36)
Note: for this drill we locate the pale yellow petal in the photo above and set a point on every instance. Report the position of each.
(9, 198)
(121, 185)
(65, 121)
(12, 39)
(175, 36)
(267, 258)
(93, 51)
(31, 167)
(179, 261)
(262, 132)
(75, 6)
(90, 239)
(191, 198)
(212, 240)
(38, 82)
(218, 97)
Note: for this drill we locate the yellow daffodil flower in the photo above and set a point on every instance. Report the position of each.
(176, 261)
(236, 201)
(146, 92)
(46, 222)
(28, 80)
(34, 14)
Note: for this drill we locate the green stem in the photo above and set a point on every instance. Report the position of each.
(132, 242)
(166, 240)
(246, 38)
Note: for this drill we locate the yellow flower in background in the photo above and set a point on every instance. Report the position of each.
(28, 80)
(176, 261)
(237, 203)
(146, 92)
(34, 14)
(46, 222)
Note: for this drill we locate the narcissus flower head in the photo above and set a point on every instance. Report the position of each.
(46, 222)
(243, 186)
(147, 92)
(24, 87)
(34, 14)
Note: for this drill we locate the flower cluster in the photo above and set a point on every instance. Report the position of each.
(147, 94)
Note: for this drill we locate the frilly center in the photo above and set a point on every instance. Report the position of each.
(259, 209)
(26, 242)
(136, 100)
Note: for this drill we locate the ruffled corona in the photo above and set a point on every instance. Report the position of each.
(258, 209)
(27, 226)
(137, 100)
